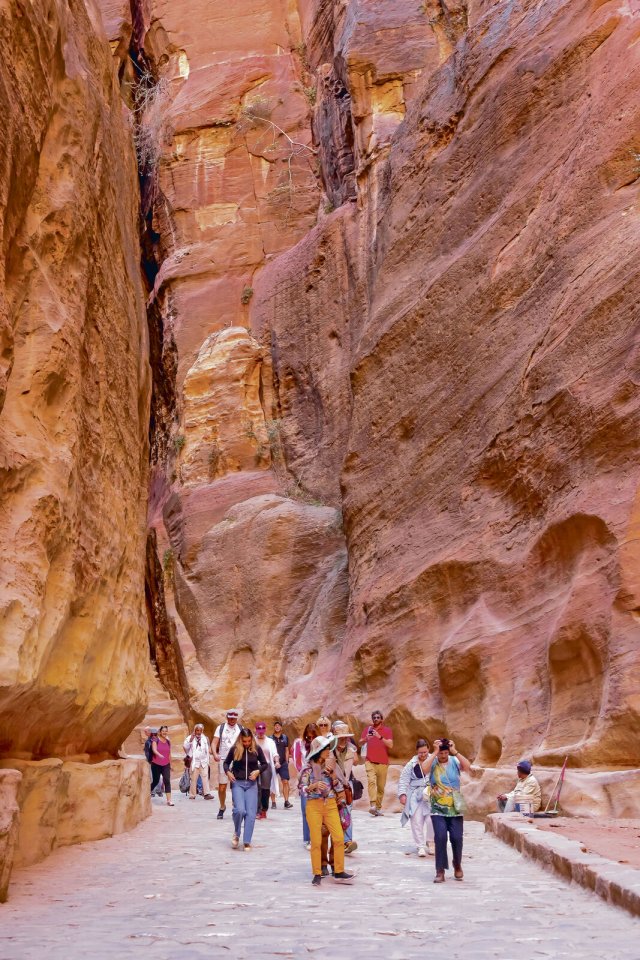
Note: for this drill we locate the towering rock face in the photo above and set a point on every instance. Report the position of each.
(396, 276)
(489, 480)
(74, 397)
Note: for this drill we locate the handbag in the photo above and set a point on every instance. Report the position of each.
(357, 788)
(426, 793)
(345, 817)
(185, 781)
(348, 794)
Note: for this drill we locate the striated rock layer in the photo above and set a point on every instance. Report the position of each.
(74, 408)
(490, 414)
(396, 272)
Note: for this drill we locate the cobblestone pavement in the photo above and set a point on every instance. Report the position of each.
(174, 888)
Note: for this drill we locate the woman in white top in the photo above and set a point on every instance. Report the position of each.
(269, 778)
(198, 748)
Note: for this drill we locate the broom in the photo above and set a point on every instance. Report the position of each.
(557, 790)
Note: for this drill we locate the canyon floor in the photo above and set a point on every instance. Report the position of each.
(173, 887)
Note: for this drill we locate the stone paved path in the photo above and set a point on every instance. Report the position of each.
(175, 889)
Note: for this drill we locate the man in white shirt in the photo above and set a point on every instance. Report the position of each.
(223, 739)
(198, 748)
(527, 788)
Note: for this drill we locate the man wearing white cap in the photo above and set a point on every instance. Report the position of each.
(224, 738)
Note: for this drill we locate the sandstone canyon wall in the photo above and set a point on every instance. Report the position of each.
(397, 270)
(74, 413)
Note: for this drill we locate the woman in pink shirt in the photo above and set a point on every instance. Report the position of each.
(161, 763)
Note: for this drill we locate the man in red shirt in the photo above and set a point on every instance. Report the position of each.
(378, 740)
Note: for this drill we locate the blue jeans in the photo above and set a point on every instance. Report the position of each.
(245, 807)
(453, 826)
(306, 836)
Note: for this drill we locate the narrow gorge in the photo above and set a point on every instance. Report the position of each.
(318, 385)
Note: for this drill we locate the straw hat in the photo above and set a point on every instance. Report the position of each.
(341, 729)
(321, 743)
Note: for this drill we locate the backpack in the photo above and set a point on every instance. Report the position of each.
(357, 787)
(185, 782)
(148, 750)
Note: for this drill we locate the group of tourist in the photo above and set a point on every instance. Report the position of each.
(257, 767)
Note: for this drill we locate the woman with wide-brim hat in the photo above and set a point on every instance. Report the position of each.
(322, 791)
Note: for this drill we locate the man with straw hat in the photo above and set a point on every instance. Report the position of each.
(324, 799)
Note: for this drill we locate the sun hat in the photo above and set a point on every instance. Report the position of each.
(341, 729)
(525, 766)
(321, 743)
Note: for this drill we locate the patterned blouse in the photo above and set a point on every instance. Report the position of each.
(311, 773)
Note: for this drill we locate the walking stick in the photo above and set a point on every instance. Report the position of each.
(557, 787)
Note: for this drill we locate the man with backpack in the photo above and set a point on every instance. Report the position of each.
(223, 739)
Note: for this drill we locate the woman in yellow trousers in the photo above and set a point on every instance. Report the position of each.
(320, 789)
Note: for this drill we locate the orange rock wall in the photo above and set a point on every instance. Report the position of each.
(74, 393)
(74, 420)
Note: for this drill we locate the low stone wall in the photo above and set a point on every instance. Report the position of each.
(614, 882)
(63, 802)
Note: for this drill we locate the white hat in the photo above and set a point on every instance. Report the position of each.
(321, 743)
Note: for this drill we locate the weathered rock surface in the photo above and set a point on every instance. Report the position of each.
(74, 414)
(9, 823)
(446, 364)
(75, 394)
(67, 802)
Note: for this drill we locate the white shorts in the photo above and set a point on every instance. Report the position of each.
(222, 777)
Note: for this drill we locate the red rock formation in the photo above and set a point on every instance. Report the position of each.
(489, 482)
(445, 362)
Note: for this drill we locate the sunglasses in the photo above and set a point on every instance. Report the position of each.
(324, 724)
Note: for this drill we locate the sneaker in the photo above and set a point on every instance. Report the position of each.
(273, 805)
(247, 846)
(307, 846)
(350, 847)
(325, 871)
(220, 813)
(422, 852)
(373, 811)
(317, 881)
(261, 816)
(208, 796)
(287, 805)
(379, 812)
(344, 877)
(431, 848)
(235, 842)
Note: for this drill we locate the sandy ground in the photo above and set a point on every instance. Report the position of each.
(174, 888)
(617, 840)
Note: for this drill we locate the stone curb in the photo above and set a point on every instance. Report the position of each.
(613, 882)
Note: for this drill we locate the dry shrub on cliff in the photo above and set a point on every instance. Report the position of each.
(150, 100)
(257, 113)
